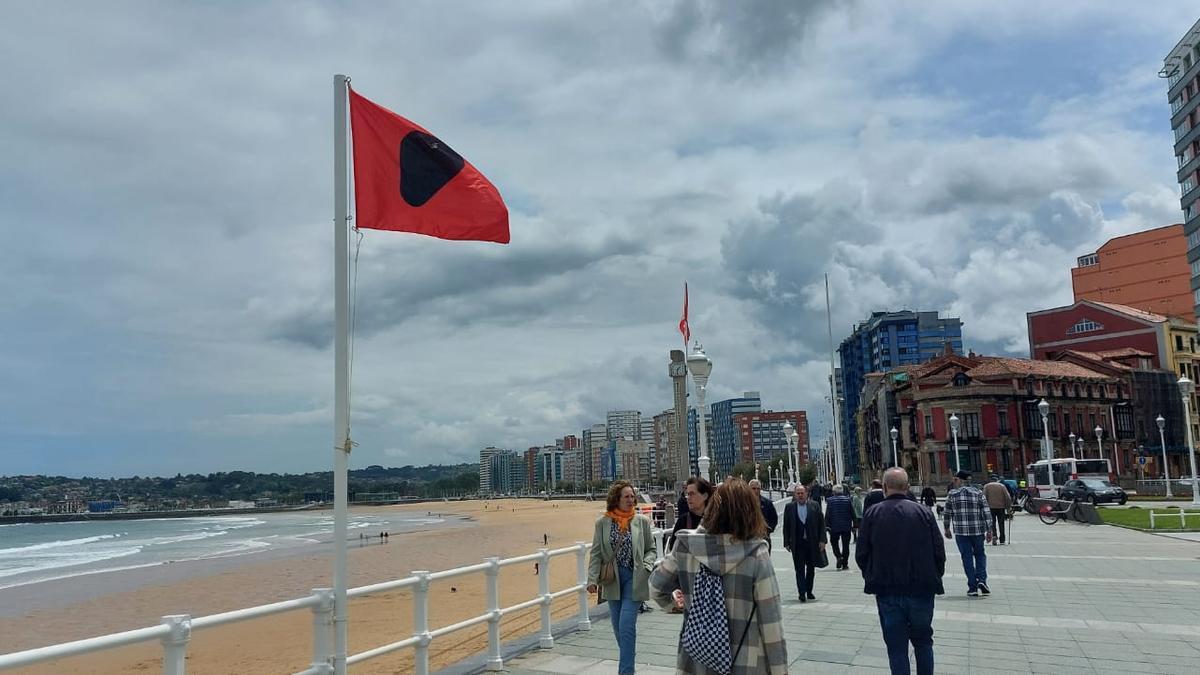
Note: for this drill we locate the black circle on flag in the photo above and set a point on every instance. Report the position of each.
(426, 165)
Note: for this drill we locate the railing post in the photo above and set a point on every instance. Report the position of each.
(175, 643)
(421, 623)
(494, 661)
(322, 644)
(581, 578)
(546, 641)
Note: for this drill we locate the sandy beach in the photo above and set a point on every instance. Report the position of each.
(282, 643)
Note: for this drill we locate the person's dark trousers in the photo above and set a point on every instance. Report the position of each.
(998, 518)
(842, 553)
(768, 538)
(904, 619)
(805, 571)
(974, 559)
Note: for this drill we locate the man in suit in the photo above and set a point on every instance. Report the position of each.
(804, 536)
(768, 510)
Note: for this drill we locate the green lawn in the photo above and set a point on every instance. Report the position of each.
(1140, 519)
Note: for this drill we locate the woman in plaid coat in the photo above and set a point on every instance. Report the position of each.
(730, 543)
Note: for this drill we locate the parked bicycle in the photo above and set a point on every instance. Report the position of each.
(1051, 515)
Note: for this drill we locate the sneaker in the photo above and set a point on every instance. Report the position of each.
(984, 589)
(972, 594)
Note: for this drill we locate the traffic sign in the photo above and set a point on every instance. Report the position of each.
(1142, 460)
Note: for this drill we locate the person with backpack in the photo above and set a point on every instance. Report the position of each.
(721, 574)
(623, 553)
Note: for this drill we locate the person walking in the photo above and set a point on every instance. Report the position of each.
(998, 501)
(695, 499)
(874, 496)
(902, 559)
(839, 517)
(816, 494)
(623, 553)
(928, 497)
(770, 514)
(728, 545)
(856, 502)
(968, 516)
(804, 538)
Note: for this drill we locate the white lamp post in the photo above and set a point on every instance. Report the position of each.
(1072, 439)
(954, 432)
(1044, 409)
(787, 438)
(1185, 390)
(795, 441)
(700, 366)
(1163, 441)
(894, 433)
(781, 472)
(1100, 440)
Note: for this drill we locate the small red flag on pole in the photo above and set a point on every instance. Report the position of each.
(683, 321)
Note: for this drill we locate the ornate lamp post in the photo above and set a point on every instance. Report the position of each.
(1185, 390)
(700, 366)
(954, 433)
(794, 442)
(894, 433)
(1072, 439)
(787, 438)
(1163, 441)
(781, 472)
(1047, 447)
(1100, 439)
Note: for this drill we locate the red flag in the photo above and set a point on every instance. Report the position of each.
(406, 179)
(683, 322)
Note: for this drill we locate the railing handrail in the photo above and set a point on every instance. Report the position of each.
(175, 630)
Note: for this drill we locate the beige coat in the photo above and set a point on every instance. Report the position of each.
(644, 551)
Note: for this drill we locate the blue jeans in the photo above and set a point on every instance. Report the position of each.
(904, 619)
(974, 559)
(624, 614)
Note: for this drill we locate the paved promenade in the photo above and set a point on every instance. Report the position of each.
(1066, 598)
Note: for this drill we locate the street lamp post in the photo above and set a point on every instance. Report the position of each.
(954, 433)
(1044, 409)
(1100, 440)
(781, 472)
(894, 434)
(1163, 442)
(794, 441)
(1071, 438)
(701, 367)
(787, 438)
(1185, 390)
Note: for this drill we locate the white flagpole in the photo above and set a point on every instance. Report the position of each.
(341, 368)
(838, 444)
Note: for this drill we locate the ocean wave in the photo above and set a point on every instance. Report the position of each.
(65, 559)
(5, 552)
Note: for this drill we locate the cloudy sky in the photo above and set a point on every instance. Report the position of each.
(166, 197)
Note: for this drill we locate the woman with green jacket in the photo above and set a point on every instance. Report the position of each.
(623, 553)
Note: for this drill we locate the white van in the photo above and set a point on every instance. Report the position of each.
(1064, 470)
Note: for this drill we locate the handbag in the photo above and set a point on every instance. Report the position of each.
(822, 560)
(608, 572)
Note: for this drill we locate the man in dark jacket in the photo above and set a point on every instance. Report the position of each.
(804, 537)
(902, 558)
(768, 510)
(839, 517)
(874, 496)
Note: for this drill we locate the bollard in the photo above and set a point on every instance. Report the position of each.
(581, 570)
(421, 623)
(175, 643)
(322, 644)
(494, 661)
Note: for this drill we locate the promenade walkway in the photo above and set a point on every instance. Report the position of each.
(1066, 598)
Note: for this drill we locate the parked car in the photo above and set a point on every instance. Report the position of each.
(1093, 490)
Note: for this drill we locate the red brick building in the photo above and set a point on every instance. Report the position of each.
(1097, 326)
(761, 434)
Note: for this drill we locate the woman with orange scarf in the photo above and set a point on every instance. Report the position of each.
(623, 554)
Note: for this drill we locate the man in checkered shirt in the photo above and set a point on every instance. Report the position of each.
(967, 511)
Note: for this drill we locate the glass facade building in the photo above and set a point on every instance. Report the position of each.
(726, 448)
(884, 341)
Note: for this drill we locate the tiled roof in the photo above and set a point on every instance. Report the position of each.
(999, 365)
(1121, 353)
(1131, 311)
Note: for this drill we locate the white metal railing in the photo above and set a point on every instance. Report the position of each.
(175, 630)
(1180, 514)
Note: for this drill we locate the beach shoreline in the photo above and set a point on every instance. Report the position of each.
(278, 644)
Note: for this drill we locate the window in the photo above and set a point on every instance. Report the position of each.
(928, 425)
(971, 425)
(1091, 421)
(1193, 239)
(1079, 423)
(1196, 268)
(1089, 259)
(1002, 421)
(1066, 424)
(1084, 326)
(1188, 184)
(1179, 338)
(1176, 104)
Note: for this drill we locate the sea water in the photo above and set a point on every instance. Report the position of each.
(36, 552)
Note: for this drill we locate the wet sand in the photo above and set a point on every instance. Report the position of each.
(282, 643)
